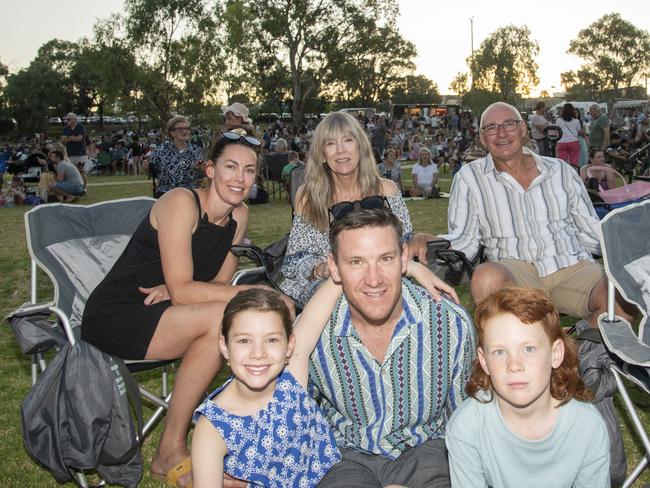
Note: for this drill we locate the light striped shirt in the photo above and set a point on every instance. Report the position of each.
(383, 408)
(552, 224)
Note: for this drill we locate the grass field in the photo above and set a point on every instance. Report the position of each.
(267, 224)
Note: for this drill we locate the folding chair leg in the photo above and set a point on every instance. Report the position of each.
(164, 382)
(638, 426)
(163, 406)
(81, 480)
(636, 472)
(38, 362)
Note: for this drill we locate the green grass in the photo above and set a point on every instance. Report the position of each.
(267, 224)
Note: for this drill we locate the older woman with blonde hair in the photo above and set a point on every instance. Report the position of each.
(340, 171)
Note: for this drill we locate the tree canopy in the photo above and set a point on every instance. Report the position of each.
(616, 54)
(505, 63)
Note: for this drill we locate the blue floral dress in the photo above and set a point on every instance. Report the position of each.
(286, 444)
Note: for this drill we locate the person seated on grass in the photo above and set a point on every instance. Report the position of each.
(534, 218)
(68, 181)
(165, 295)
(390, 168)
(392, 361)
(264, 407)
(528, 421)
(118, 158)
(425, 176)
(15, 193)
(294, 161)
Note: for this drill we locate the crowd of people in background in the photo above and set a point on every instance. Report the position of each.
(441, 143)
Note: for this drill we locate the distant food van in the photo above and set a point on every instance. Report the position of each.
(583, 107)
(421, 110)
(368, 112)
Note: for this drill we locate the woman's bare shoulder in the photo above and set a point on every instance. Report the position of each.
(388, 187)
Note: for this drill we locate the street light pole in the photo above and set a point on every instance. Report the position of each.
(471, 32)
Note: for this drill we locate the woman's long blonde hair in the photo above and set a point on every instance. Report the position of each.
(318, 190)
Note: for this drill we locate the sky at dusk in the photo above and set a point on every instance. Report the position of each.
(440, 30)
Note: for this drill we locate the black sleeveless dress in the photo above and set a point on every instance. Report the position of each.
(115, 319)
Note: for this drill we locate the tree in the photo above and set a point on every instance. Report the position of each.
(34, 93)
(303, 37)
(4, 72)
(615, 50)
(416, 89)
(179, 51)
(505, 63)
(478, 99)
(616, 53)
(374, 66)
(460, 84)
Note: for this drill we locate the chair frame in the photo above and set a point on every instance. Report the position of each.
(39, 364)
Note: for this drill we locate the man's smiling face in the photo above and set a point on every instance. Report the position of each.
(369, 264)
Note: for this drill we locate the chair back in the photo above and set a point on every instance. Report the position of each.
(77, 245)
(296, 179)
(626, 252)
(273, 164)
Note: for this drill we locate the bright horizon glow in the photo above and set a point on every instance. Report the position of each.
(440, 30)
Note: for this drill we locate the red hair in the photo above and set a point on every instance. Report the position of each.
(530, 306)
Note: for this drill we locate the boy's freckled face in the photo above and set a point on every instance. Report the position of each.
(519, 359)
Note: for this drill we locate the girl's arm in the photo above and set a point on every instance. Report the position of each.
(208, 451)
(309, 327)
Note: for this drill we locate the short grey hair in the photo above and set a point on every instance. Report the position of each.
(281, 145)
(596, 107)
(514, 111)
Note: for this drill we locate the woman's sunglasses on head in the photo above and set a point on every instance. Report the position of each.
(236, 136)
(342, 209)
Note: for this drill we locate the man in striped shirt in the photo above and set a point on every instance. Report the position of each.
(534, 217)
(391, 364)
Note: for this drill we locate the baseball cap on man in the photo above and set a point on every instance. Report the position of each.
(238, 110)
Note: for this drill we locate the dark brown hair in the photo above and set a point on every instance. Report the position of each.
(258, 300)
(530, 306)
(358, 219)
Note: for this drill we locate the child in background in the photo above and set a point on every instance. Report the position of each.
(262, 426)
(527, 422)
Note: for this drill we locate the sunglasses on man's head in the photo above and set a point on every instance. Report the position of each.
(235, 136)
(342, 209)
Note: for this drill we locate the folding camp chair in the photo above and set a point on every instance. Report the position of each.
(626, 252)
(272, 172)
(76, 246)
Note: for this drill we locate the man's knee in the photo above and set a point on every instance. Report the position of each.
(489, 277)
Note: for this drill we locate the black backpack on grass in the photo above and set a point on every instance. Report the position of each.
(78, 417)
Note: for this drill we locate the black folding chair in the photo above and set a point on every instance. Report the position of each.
(272, 172)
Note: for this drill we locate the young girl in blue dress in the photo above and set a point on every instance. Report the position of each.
(262, 426)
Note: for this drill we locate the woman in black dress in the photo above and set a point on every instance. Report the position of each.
(164, 297)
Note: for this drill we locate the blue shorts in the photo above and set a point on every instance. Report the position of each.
(69, 188)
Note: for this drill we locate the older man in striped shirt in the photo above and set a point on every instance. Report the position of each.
(534, 217)
(392, 363)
